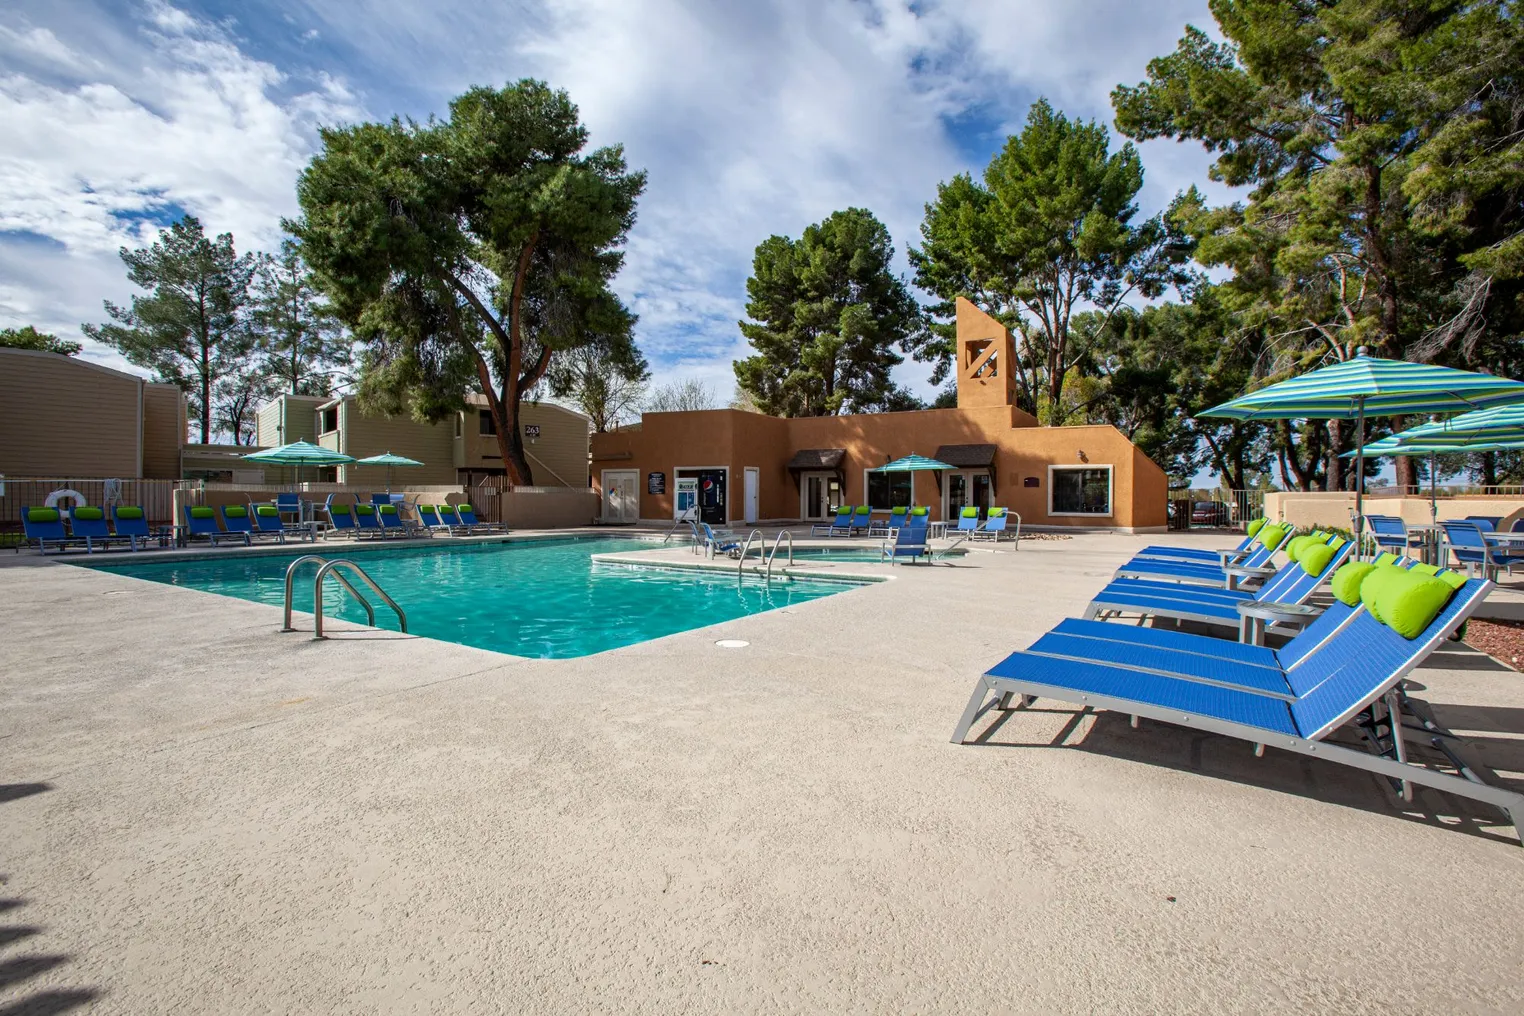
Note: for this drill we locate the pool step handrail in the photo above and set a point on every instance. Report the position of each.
(746, 548)
(774, 553)
(317, 593)
(370, 612)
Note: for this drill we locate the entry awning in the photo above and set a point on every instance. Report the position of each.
(970, 456)
(817, 458)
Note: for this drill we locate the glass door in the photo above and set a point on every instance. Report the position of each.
(957, 495)
(820, 496)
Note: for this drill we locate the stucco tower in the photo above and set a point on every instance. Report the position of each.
(986, 353)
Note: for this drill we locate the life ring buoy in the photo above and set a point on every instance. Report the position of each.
(59, 495)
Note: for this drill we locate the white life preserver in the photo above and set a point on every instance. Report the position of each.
(58, 495)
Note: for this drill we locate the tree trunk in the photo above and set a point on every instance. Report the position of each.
(1489, 469)
(511, 442)
(1335, 469)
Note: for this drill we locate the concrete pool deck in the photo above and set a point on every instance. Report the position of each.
(201, 815)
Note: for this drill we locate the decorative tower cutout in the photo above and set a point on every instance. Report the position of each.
(986, 353)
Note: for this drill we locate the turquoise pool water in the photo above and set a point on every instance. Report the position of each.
(543, 599)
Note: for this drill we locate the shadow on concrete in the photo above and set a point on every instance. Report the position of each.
(50, 1003)
(1213, 755)
(16, 791)
(17, 970)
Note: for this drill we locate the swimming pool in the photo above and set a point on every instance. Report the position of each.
(546, 599)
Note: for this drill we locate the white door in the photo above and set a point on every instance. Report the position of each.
(819, 496)
(621, 497)
(752, 480)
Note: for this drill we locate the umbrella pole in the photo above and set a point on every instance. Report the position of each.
(1433, 496)
(1359, 476)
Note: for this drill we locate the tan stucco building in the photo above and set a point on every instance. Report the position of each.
(64, 417)
(462, 449)
(743, 467)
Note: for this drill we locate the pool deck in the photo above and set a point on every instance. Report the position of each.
(201, 815)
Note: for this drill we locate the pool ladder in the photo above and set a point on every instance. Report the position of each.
(326, 566)
(762, 544)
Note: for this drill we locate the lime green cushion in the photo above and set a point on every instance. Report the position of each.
(1453, 578)
(996, 513)
(1254, 526)
(365, 509)
(89, 514)
(467, 508)
(1425, 569)
(42, 514)
(338, 509)
(200, 512)
(387, 509)
(897, 511)
(862, 509)
(236, 511)
(267, 510)
(919, 510)
(129, 513)
(1375, 584)
(1293, 547)
(1408, 603)
(1385, 558)
(969, 513)
(1347, 580)
(1315, 557)
(1271, 536)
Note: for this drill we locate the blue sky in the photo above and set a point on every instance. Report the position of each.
(752, 117)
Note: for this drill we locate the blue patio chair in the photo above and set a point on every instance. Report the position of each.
(1358, 674)
(365, 521)
(289, 504)
(236, 518)
(891, 525)
(995, 525)
(968, 520)
(1219, 607)
(473, 524)
(840, 523)
(88, 523)
(131, 524)
(1200, 554)
(719, 542)
(201, 524)
(1469, 544)
(917, 517)
(1267, 542)
(1486, 523)
(267, 523)
(45, 526)
(908, 542)
(451, 520)
(341, 517)
(428, 517)
(1390, 533)
(862, 516)
(391, 521)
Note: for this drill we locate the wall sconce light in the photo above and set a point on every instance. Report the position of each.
(1082, 456)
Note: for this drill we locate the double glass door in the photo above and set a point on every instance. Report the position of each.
(821, 495)
(967, 488)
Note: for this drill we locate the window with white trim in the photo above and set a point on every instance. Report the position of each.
(1079, 490)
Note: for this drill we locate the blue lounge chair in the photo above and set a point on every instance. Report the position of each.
(968, 520)
(267, 522)
(995, 525)
(428, 517)
(917, 517)
(1356, 673)
(88, 523)
(841, 523)
(450, 519)
(719, 542)
(1267, 543)
(391, 521)
(862, 517)
(201, 523)
(1152, 598)
(473, 524)
(44, 525)
(130, 524)
(236, 518)
(909, 542)
(341, 517)
(891, 525)
(1199, 554)
(365, 521)
(1486, 523)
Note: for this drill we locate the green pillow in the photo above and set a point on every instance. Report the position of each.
(1386, 558)
(862, 509)
(1409, 603)
(365, 509)
(1454, 578)
(1271, 536)
(1425, 569)
(897, 511)
(425, 508)
(267, 510)
(200, 512)
(129, 513)
(338, 509)
(466, 508)
(1254, 526)
(1347, 580)
(918, 511)
(387, 509)
(1293, 547)
(236, 511)
(42, 514)
(969, 513)
(1315, 557)
(1375, 584)
(996, 513)
(89, 514)
(1337, 542)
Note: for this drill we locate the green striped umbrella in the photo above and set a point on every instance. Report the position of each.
(1500, 423)
(1397, 444)
(299, 454)
(390, 461)
(1368, 386)
(912, 464)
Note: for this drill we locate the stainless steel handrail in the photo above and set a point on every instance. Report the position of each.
(317, 594)
(370, 612)
(776, 541)
(746, 548)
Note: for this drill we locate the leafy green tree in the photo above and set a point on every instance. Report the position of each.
(190, 330)
(28, 337)
(827, 314)
(302, 346)
(467, 252)
(1047, 234)
(606, 384)
(1344, 117)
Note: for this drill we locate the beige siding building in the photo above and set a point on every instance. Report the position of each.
(461, 450)
(61, 416)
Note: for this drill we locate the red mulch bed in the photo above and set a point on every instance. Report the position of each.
(1502, 639)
